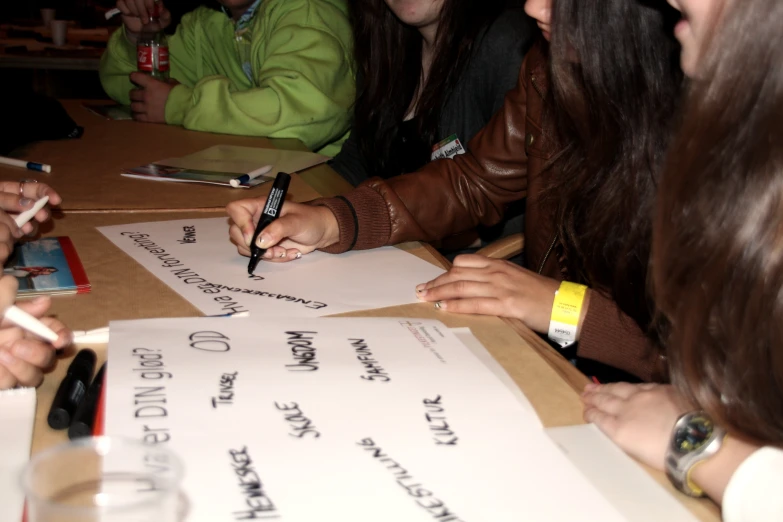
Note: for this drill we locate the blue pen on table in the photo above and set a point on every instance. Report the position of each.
(274, 202)
(41, 167)
(246, 178)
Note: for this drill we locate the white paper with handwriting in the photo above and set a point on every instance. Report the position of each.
(196, 259)
(327, 419)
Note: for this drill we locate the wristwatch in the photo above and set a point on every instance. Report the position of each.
(695, 438)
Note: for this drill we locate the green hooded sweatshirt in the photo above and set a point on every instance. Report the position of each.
(298, 53)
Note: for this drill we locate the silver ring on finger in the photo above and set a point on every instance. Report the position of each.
(22, 183)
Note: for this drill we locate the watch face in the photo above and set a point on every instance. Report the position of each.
(693, 434)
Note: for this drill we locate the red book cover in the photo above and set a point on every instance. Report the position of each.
(48, 265)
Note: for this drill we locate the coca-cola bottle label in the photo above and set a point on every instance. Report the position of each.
(148, 57)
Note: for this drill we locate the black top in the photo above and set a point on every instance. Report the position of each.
(478, 94)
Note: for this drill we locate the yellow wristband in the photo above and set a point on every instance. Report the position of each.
(565, 313)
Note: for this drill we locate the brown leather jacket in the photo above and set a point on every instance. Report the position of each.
(505, 162)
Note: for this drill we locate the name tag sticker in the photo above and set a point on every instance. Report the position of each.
(447, 148)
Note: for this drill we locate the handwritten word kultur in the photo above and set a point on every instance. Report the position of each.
(303, 352)
(372, 368)
(189, 235)
(437, 420)
(261, 506)
(226, 389)
(301, 426)
(424, 497)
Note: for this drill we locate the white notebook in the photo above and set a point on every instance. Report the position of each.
(17, 416)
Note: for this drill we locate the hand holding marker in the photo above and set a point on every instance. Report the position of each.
(271, 210)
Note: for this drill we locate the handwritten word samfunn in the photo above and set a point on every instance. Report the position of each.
(424, 498)
(301, 426)
(436, 417)
(372, 368)
(261, 506)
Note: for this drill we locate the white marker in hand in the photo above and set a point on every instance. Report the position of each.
(27, 322)
(27, 215)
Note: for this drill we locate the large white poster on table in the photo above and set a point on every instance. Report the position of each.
(196, 258)
(337, 419)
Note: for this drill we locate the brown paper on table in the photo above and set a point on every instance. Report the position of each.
(232, 158)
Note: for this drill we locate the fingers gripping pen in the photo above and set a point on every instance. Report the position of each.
(271, 210)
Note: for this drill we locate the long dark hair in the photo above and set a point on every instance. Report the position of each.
(388, 56)
(615, 83)
(717, 265)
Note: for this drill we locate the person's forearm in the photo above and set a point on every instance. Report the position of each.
(713, 474)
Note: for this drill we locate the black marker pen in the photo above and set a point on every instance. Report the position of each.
(84, 418)
(271, 210)
(71, 391)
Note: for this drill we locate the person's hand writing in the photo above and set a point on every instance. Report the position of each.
(300, 229)
(137, 13)
(479, 285)
(23, 356)
(148, 102)
(637, 417)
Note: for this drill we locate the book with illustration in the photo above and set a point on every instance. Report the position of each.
(48, 266)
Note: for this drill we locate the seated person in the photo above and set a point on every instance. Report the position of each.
(581, 137)
(424, 94)
(717, 272)
(273, 68)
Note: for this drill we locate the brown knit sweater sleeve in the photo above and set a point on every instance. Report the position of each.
(611, 337)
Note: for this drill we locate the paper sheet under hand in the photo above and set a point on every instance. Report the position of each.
(196, 259)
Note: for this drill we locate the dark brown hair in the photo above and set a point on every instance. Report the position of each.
(717, 265)
(615, 83)
(388, 56)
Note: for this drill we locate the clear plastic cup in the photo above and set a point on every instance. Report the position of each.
(59, 32)
(47, 15)
(104, 479)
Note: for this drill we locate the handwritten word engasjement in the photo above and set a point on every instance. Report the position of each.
(196, 259)
(337, 419)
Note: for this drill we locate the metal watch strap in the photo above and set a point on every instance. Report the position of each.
(678, 467)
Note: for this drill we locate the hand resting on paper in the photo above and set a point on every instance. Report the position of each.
(300, 229)
(640, 418)
(479, 285)
(14, 201)
(23, 356)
